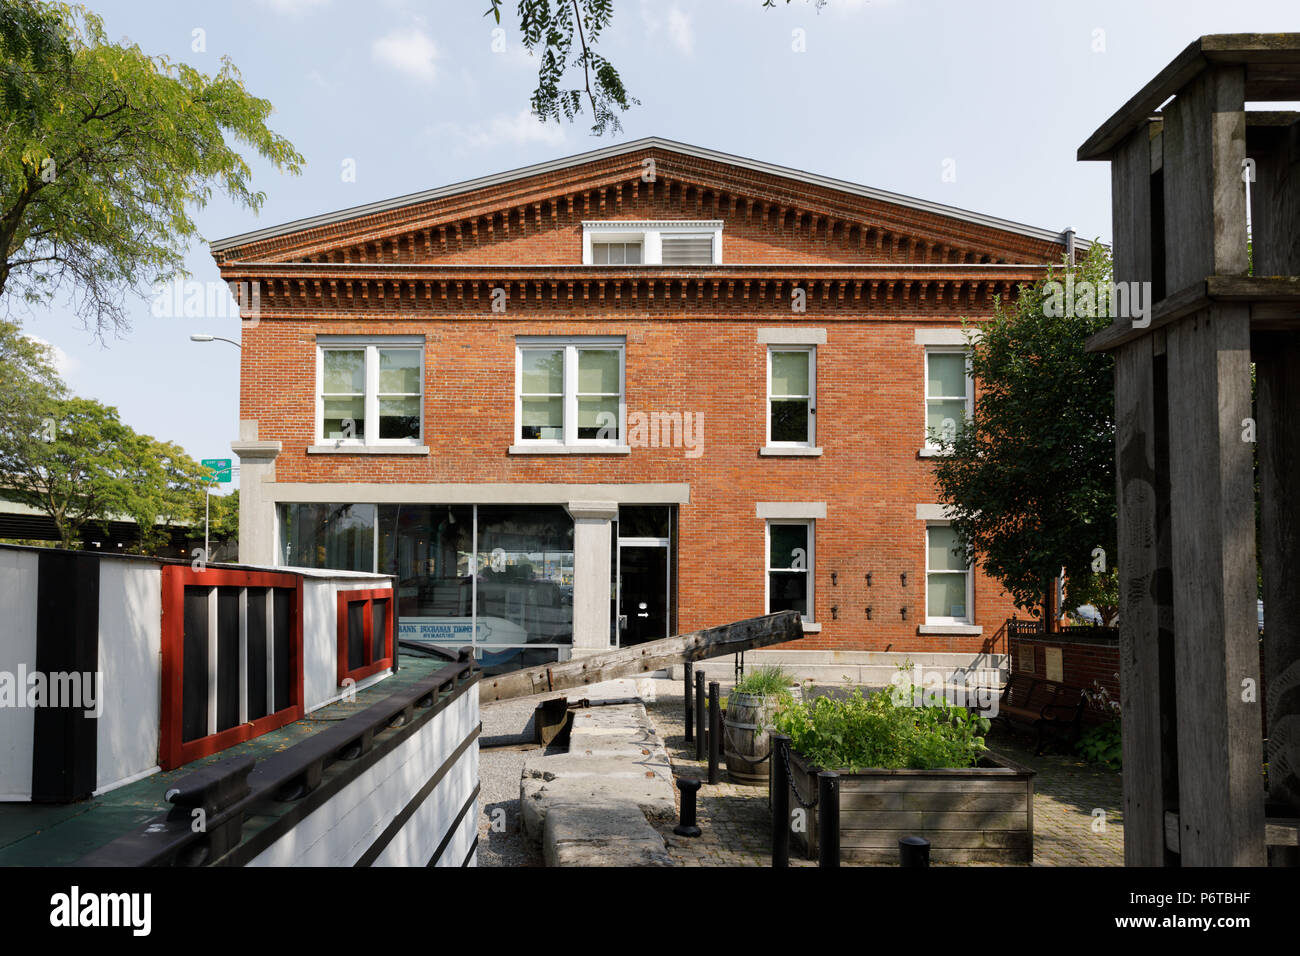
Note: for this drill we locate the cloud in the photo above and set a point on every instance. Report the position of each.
(677, 24)
(503, 130)
(409, 51)
(63, 363)
(680, 30)
(293, 7)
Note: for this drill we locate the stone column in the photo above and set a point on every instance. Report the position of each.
(256, 506)
(592, 530)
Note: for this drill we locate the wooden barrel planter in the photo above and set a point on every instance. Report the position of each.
(747, 735)
(980, 814)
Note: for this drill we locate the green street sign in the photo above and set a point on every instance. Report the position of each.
(220, 468)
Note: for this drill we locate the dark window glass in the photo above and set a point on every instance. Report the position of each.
(790, 419)
(525, 575)
(337, 537)
(643, 521)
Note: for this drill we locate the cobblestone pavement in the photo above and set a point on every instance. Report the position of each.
(1077, 820)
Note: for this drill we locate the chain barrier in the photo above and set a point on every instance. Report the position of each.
(794, 788)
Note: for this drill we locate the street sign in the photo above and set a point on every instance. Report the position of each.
(220, 468)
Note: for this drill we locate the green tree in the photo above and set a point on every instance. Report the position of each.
(30, 387)
(1030, 480)
(78, 470)
(166, 491)
(103, 152)
(550, 28)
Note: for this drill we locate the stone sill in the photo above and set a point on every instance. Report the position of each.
(570, 449)
(367, 449)
(931, 453)
(964, 630)
(781, 451)
(810, 628)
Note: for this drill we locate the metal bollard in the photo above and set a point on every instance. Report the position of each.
(913, 851)
(715, 730)
(699, 715)
(780, 802)
(689, 787)
(688, 680)
(828, 818)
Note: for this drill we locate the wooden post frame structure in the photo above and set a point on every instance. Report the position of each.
(1185, 172)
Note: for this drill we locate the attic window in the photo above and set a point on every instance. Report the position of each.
(687, 250)
(616, 253)
(671, 242)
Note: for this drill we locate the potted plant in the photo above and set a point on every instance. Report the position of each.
(907, 770)
(751, 706)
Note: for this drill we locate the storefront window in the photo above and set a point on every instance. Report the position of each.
(525, 582)
(429, 549)
(336, 536)
(499, 577)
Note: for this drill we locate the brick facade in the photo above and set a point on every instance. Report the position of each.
(874, 274)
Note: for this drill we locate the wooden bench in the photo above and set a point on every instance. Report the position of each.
(1050, 708)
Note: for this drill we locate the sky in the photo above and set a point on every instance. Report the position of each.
(979, 104)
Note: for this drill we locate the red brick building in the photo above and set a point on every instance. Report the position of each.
(633, 392)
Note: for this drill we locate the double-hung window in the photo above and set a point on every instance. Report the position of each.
(947, 577)
(569, 391)
(791, 396)
(949, 394)
(370, 392)
(790, 567)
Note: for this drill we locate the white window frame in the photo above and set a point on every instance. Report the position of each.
(571, 345)
(969, 619)
(812, 397)
(650, 233)
(811, 571)
(371, 345)
(930, 445)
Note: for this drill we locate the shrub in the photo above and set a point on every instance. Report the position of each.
(881, 731)
(1101, 745)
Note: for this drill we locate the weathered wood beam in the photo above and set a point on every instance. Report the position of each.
(645, 658)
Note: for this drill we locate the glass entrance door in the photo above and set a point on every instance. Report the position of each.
(643, 590)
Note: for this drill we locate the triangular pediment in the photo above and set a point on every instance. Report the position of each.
(534, 216)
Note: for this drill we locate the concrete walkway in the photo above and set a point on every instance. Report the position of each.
(1077, 819)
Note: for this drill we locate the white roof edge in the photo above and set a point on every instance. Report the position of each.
(620, 149)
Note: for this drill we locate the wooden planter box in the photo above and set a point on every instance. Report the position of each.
(981, 814)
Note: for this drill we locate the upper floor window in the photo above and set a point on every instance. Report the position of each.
(569, 391)
(652, 242)
(947, 577)
(791, 391)
(949, 394)
(370, 392)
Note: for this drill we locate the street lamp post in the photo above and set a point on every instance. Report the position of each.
(207, 491)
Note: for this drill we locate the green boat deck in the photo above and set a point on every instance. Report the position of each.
(60, 834)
